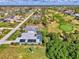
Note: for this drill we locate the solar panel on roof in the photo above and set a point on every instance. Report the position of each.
(22, 40)
(31, 40)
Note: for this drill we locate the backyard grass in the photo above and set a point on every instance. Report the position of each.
(23, 52)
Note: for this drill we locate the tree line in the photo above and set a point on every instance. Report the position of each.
(56, 48)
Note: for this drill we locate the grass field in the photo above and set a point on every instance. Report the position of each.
(22, 52)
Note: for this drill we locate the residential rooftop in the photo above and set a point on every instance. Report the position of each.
(32, 36)
(31, 28)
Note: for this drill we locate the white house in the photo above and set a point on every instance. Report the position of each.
(30, 37)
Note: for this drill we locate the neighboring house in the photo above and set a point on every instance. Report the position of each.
(69, 12)
(32, 36)
(9, 20)
(36, 17)
(17, 18)
(13, 19)
(76, 16)
(1, 20)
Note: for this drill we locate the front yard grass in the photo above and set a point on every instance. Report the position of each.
(14, 35)
(2, 47)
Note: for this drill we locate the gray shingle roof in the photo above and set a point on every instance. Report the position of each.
(31, 28)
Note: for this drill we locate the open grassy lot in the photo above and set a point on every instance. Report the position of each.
(22, 52)
(58, 17)
(66, 27)
(7, 24)
(61, 22)
(53, 27)
(4, 32)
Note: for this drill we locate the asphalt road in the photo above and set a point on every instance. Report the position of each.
(14, 30)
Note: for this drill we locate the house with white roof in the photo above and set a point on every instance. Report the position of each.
(69, 12)
(76, 16)
(13, 19)
(32, 36)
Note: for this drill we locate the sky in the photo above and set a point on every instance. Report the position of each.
(39, 2)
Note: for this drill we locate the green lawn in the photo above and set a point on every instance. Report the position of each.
(1, 36)
(23, 52)
(66, 27)
(7, 24)
(14, 35)
(4, 33)
(58, 17)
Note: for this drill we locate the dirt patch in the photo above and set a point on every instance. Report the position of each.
(8, 53)
(53, 27)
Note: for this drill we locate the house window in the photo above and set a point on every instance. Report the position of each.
(31, 40)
